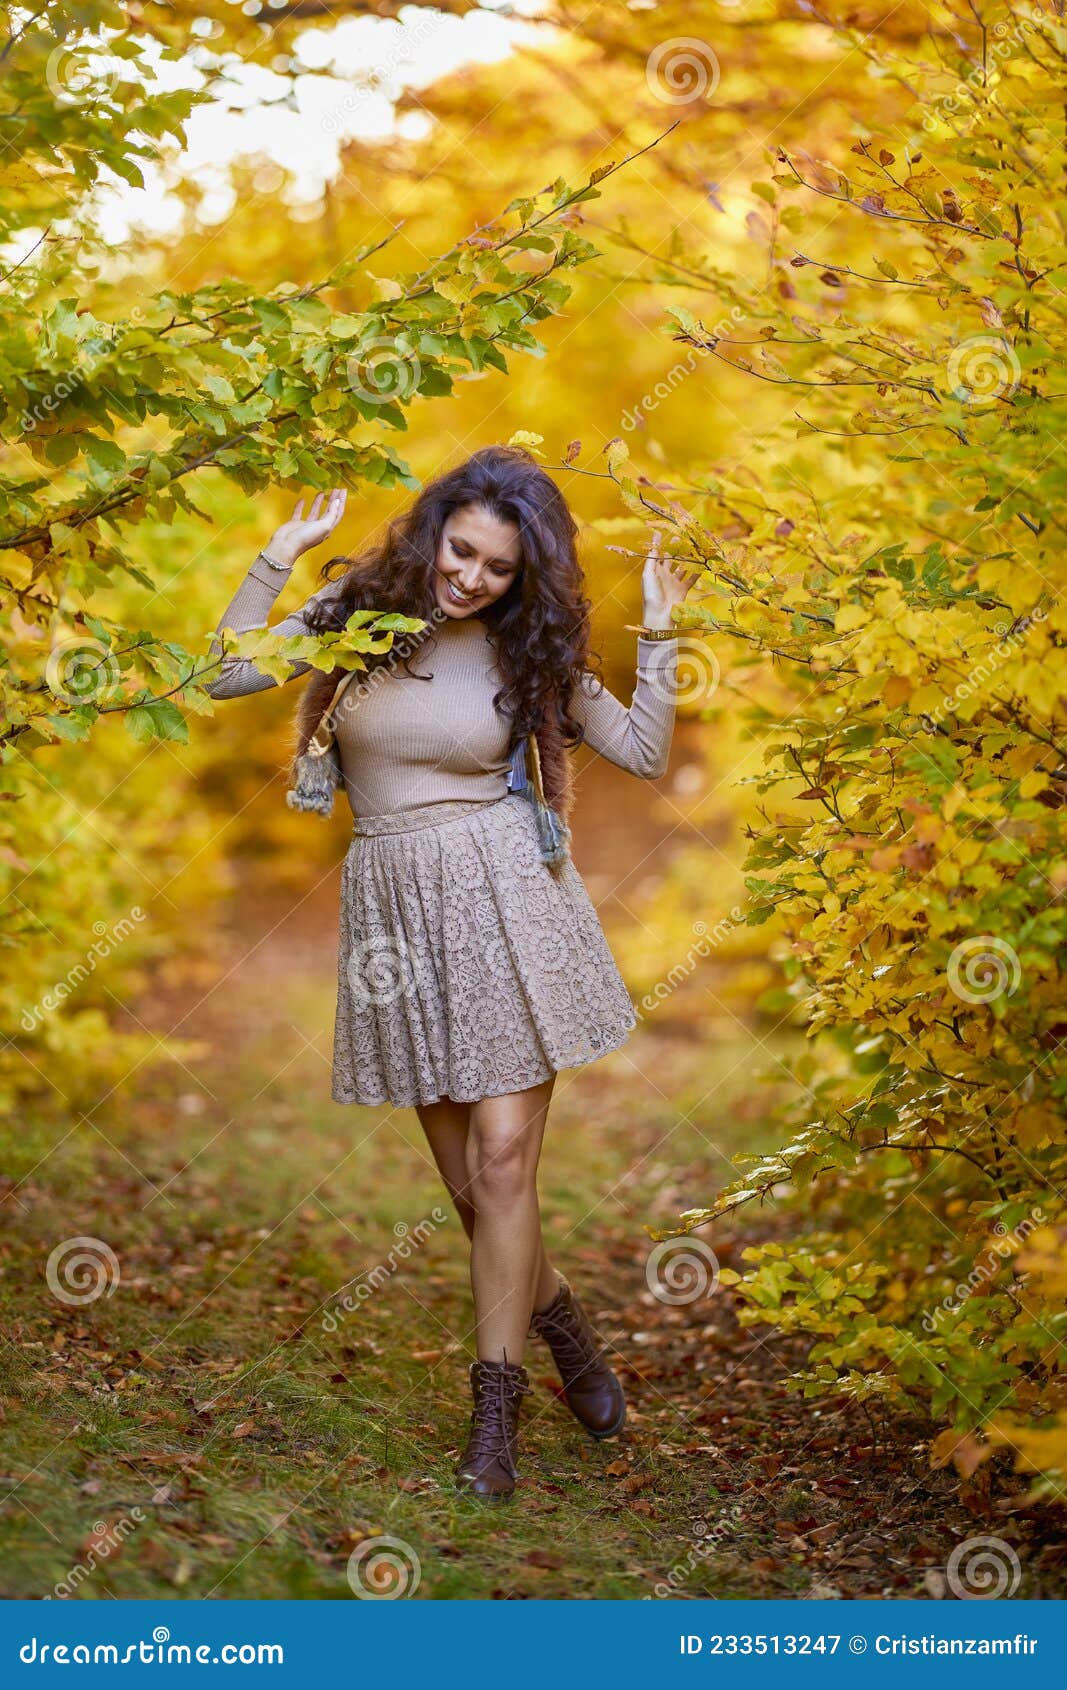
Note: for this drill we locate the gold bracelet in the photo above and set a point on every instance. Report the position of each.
(654, 633)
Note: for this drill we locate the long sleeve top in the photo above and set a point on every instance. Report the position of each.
(434, 734)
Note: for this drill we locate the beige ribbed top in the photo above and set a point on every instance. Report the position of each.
(406, 741)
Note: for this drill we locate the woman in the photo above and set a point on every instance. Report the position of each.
(472, 968)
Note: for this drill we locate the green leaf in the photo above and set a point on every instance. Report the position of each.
(104, 454)
(158, 718)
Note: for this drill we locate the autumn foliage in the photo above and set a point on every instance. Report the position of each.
(132, 420)
(843, 395)
(889, 571)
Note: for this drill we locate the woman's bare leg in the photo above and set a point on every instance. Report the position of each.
(446, 1125)
(510, 1272)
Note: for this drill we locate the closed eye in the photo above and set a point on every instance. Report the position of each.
(503, 570)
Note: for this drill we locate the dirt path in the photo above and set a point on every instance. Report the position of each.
(232, 1430)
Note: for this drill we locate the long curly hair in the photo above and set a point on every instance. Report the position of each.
(540, 625)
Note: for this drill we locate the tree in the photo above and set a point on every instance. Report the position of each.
(893, 580)
(143, 423)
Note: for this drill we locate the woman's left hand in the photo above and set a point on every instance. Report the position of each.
(664, 583)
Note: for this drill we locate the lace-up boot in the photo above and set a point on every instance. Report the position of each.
(593, 1393)
(488, 1464)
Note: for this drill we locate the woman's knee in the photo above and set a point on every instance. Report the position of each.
(501, 1167)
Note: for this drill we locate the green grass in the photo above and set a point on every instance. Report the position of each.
(248, 1449)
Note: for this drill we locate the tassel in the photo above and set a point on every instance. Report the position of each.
(552, 835)
(315, 778)
(316, 773)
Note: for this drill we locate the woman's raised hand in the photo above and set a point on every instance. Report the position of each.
(664, 583)
(301, 532)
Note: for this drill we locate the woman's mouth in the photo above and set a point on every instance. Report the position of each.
(456, 594)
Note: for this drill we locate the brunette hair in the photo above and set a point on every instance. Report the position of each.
(540, 625)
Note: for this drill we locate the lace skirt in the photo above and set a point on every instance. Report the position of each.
(466, 967)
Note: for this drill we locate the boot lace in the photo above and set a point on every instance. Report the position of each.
(575, 1351)
(497, 1393)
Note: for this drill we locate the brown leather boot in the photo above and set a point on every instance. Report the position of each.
(593, 1394)
(487, 1467)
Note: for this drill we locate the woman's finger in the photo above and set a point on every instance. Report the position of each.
(298, 510)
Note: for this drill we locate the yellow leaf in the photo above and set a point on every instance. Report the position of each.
(897, 690)
(850, 617)
(531, 442)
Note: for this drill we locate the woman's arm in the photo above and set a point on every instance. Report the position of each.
(637, 739)
(254, 598)
(249, 609)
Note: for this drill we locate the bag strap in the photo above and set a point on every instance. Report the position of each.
(323, 737)
(535, 771)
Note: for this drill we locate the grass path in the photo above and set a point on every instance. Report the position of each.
(202, 1432)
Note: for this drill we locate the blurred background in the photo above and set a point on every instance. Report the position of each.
(418, 128)
(166, 1063)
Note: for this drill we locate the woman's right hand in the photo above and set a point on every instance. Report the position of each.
(301, 532)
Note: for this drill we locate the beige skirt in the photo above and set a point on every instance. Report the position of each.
(466, 967)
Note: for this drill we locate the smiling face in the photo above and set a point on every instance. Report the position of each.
(478, 557)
